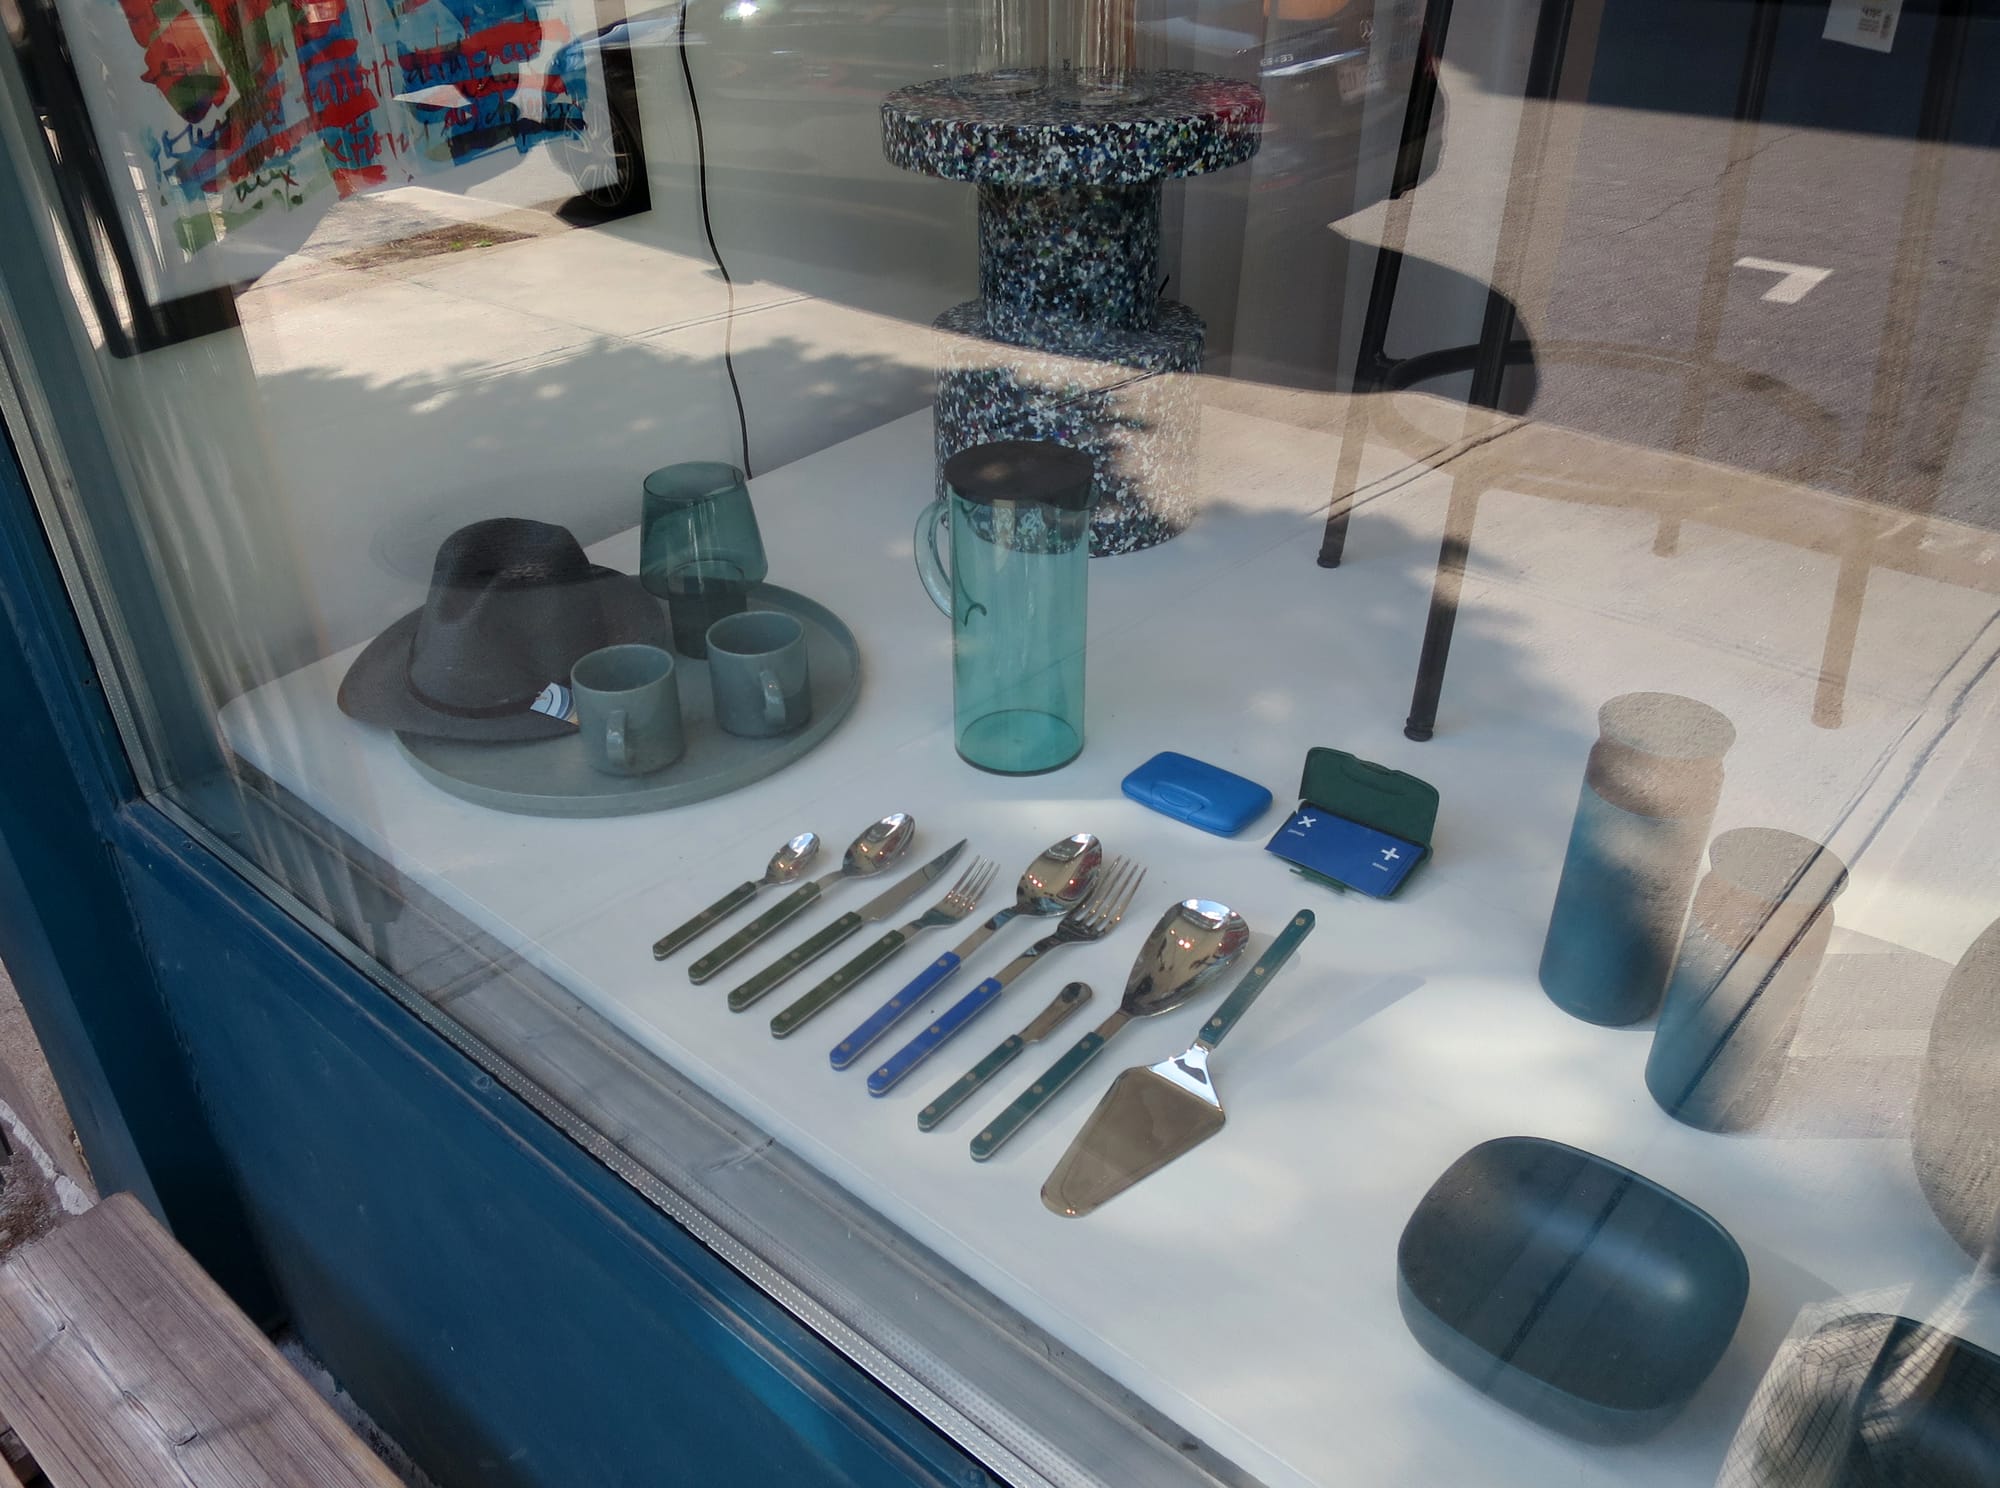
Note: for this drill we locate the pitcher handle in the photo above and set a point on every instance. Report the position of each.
(930, 562)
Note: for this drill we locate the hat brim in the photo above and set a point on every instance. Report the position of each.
(376, 689)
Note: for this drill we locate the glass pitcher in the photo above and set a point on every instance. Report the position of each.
(1019, 513)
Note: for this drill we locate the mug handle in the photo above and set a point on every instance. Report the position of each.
(774, 696)
(930, 562)
(616, 749)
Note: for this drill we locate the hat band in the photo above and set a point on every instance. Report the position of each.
(461, 710)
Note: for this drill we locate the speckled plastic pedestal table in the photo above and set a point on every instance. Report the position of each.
(1070, 338)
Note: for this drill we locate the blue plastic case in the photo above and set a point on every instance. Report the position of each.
(1200, 794)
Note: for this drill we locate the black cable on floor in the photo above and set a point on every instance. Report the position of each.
(708, 229)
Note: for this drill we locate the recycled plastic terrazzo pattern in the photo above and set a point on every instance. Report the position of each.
(1070, 339)
(1186, 123)
(1050, 261)
(1128, 402)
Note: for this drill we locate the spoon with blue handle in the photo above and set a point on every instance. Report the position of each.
(874, 851)
(1091, 920)
(1046, 1022)
(1055, 883)
(1195, 941)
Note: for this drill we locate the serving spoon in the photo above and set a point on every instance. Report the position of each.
(1054, 884)
(1195, 941)
(874, 850)
(786, 864)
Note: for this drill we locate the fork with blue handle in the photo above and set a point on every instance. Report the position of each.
(1091, 920)
(955, 906)
(1059, 879)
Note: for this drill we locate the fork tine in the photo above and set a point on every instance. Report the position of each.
(985, 879)
(964, 878)
(1126, 903)
(1113, 883)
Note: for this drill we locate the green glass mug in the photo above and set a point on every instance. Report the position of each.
(699, 547)
(1015, 589)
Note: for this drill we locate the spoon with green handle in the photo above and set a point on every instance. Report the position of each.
(874, 850)
(786, 864)
(1046, 1022)
(1195, 941)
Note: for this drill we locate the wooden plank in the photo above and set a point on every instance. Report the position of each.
(121, 1362)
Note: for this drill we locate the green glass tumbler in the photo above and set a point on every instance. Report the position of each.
(699, 547)
(1018, 514)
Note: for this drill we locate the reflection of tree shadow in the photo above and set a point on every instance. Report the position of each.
(563, 440)
(567, 440)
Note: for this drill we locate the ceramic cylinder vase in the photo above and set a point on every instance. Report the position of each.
(1755, 938)
(1955, 1135)
(1649, 795)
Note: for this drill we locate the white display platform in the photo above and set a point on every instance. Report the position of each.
(1249, 1290)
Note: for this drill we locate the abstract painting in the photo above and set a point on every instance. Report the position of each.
(229, 126)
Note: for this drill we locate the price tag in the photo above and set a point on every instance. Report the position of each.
(1863, 23)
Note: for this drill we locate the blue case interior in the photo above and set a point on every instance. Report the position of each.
(1200, 794)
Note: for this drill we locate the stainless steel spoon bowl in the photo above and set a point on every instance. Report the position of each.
(1191, 946)
(1194, 943)
(875, 850)
(1057, 881)
(786, 864)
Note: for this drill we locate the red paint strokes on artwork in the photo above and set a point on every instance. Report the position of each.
(180, 63)
(340, 112)
(348, 181)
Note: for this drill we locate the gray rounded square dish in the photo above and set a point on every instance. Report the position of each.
(1568, 1288)
(550, 777)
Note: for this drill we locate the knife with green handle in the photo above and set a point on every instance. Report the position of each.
(953, 907)
(880, 907)
(1067, 1001)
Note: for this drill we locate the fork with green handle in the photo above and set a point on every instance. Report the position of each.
(955, 906)
(1091, 920)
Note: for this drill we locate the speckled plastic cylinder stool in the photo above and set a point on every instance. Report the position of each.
(1070, 339)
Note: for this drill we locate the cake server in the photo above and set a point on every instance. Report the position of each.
(1153, 1114)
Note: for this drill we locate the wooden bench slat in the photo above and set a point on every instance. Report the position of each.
(122, 1362)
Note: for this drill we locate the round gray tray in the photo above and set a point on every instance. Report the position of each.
(548, 777)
